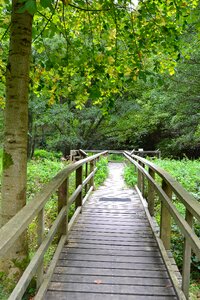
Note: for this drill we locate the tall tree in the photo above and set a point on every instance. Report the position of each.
(16, 121)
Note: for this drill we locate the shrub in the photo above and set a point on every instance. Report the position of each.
(44, 154)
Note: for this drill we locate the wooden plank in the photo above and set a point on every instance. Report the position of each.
(114, 289)
(59, 295)
(84, 233)
(114, 230)
(102, 238)
(111, 280)
(110, 246)
(117, 243)
(110, 252)
(112, 272)
(112, 265)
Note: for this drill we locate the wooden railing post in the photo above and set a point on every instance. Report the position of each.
(79, 180)
(142, 181)
(62, 201)
(92, 165)
(151, 193)
(139, 179)
(86, 174)
(40, 238)
(187, 259)
(165, 218)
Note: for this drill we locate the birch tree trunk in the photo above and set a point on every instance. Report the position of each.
(16, 126)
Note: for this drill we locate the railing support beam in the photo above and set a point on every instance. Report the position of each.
(187, 259)
(165, 221)
(92, 165)
(151, 193)
(40, 235)
(79, 179)
(62, 201)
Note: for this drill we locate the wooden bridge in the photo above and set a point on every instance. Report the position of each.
(111, 248)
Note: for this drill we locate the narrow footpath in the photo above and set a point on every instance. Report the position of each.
(111, 253)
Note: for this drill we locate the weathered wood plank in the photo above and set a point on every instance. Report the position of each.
(111, 280)
(111, 252)
(110, 246)
(112, 272)
(93, 296)
(114, 289)
(110, 259)
(111, 265)
(117, 243)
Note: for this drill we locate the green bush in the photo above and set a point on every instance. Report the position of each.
(102, 171)
(44, 154)
(116, 157)
(130, 175)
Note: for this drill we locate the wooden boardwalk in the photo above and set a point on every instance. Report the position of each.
(111, 253)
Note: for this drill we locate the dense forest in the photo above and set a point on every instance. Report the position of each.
(107, 79)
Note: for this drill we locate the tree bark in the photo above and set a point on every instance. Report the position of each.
(14, 175)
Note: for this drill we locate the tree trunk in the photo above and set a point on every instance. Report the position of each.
(16, 126)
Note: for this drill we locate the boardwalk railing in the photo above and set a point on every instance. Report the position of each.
(11, 231)
(149, 188)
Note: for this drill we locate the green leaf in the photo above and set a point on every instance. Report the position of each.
(46, 3)
(29, 6)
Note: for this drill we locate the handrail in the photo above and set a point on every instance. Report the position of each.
(11, 231)
(186, 198)
(168, 210)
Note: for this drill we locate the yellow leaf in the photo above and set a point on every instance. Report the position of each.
(111, 60)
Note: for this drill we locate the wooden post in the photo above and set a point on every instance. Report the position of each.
(62, 201)
(139, 179)
(79, 178)
(92, 165)
(165, 221)
(86, 174)
(40, 238)
(151, 193)
(142, 181)
(187, 259)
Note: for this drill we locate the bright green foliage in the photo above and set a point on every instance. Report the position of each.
(186, 172)
(43, 154)
(41, 172)
(102, 171)
(130, 175)
(116, 157)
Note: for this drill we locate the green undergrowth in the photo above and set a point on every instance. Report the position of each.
(186, 172)
(102, 172)
(130, 175)
(116, 157)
